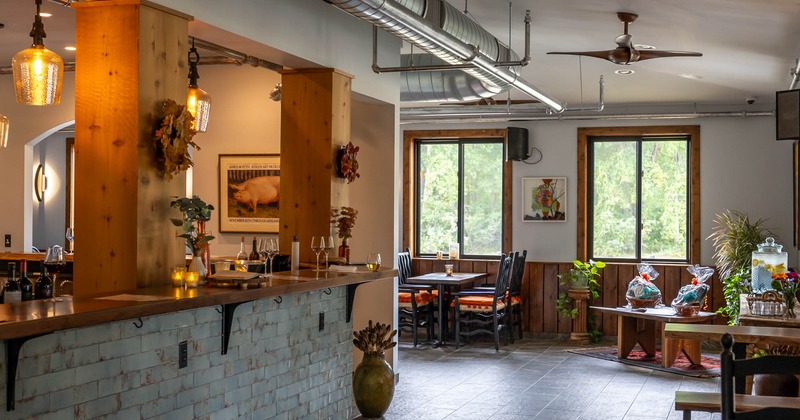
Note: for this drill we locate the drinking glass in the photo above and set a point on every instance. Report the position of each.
(317, 243)
(70, 235)
(272, 249)
(54, 262)
(263, 256)
(327, 249)
(373, 261)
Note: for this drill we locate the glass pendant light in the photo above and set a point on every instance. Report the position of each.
(4, 125)
(198, 102)
(37, 70)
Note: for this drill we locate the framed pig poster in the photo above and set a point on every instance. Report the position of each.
(249, 192)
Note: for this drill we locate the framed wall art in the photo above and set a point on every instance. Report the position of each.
(544, 199)
(249, 193)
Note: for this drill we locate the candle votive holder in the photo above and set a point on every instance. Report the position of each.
(192, 278)
(178, 275)
(448, 269)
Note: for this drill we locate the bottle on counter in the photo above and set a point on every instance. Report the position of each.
(241, 258)
(25, 284)
(11, 291)
(254, 253)
(44, 286)
(295, 254)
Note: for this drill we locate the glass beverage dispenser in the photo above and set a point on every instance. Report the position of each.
(768, 260)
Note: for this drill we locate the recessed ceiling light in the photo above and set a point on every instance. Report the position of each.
(690, 76)
(624, 72)
(644, 46)
(70, 48)
(45, 14)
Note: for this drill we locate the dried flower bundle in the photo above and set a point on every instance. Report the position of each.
(345, 219)
(174, 137)
(375, 338)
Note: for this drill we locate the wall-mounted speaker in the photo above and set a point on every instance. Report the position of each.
(517, 147)
(787, 114)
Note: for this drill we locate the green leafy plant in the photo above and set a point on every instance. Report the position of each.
(735, 238)
(582, 273)
(194, 210)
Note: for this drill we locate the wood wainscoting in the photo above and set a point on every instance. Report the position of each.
(540, 288)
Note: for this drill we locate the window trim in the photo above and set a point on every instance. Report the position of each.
(691, 131)
(409, 211)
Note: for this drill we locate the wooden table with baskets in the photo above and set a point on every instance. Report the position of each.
(638, 326)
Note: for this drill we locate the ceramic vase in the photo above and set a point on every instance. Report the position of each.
(775, 384)
(197, 266)
(373, 385)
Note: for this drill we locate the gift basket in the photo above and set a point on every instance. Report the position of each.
(769, 304)
(642, 293)
(691, 297)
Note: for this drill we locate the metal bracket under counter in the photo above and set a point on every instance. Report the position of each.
(227, 320)
(351, 296)
(13, 346)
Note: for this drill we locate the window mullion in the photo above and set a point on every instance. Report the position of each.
(639, 221)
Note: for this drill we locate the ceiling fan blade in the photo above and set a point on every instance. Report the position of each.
(598, 54)
(648, 54)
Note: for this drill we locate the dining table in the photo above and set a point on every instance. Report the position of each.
(443, 283)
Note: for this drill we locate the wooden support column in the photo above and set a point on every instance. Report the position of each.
(131, 55)
(315, 123)
(580, 324)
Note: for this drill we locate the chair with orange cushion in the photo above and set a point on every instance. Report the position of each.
(483, 311)
(415, 302)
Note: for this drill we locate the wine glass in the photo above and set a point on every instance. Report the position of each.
(317, 243)
(272, 249)
(263, 256)
(327, 249)
(373, 261)
(70, 235)
(54, 262)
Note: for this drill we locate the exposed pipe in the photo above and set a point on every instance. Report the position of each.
(601, 104)
(236, 55)
(407, 24)
(409, 118)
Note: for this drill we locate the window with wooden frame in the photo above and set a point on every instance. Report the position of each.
(639, 194)
(455, 152)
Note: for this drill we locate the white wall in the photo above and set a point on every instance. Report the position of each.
(742, 168)
(49, 215)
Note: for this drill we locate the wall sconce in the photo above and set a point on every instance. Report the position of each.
(37, 70)
(4, 126)
(39, 183)
(198, 102)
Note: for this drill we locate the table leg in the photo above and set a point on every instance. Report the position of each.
(626, 336)
(441, 338)
(646, 337)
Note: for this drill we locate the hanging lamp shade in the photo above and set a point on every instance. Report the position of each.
(37, 71)
(4, 125)
(198, 102)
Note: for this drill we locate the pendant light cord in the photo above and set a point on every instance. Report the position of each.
(37, 32)
(194, 58)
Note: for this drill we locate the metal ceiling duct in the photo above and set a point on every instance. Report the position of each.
(440, 29)
(441, 85)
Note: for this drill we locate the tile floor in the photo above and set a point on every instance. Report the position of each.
(531, 379)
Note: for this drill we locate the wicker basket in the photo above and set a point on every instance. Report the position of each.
(769, 303)
(641, 303)
(686, 310)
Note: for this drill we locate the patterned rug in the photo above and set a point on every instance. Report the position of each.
(708, 367)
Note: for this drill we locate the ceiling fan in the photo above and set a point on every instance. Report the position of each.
(626, 53)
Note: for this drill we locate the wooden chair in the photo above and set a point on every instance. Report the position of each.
(515, 294)
(732, 368)
(415, 302)
(483, 311)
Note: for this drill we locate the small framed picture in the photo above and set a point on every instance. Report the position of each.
(544, 199)
(249, 193)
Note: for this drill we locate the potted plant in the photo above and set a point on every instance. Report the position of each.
(582, 276)
(344, 218)
(373, 379)
(196, 213)
(734, 239)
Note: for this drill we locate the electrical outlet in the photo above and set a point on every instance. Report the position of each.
(183, 354)
(8, 240)
(321, 321)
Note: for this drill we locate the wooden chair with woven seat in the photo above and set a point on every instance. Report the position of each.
(415, 302)
(483, 311)
(515, 294)
(732, 368)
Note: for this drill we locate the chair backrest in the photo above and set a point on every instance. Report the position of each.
(501, 284)
(403, 266)
(517, 269)
(732, 368)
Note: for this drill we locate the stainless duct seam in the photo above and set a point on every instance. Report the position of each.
(458, 118)
(403, 19)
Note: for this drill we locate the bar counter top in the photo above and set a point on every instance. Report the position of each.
(24, 319)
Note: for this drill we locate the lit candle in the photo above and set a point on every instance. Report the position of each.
(448, 269)
(177, 276)
(192, 278)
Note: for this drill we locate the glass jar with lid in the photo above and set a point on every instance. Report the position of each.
(769, 259)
